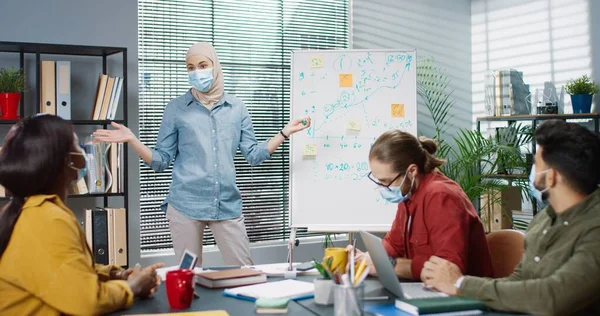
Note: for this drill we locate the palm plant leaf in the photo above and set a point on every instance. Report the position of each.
(473, 159)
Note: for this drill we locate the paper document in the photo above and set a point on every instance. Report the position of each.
(291, 289)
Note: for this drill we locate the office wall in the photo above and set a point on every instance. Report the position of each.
(81, 22)
(595, 34)
(437, 28)
(549, 40)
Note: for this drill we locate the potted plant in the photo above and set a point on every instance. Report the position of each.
(473, 159)
(581, 90)
(12, 83)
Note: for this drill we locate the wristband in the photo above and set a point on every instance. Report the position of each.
(284, 135)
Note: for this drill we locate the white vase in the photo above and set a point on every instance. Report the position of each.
(324, 291)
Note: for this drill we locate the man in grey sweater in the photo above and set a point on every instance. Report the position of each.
(559, 273)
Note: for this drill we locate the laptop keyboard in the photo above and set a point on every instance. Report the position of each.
(418, 290)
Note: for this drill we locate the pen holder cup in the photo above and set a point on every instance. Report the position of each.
(324, 291)
(348, 301)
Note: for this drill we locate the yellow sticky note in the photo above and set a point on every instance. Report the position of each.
(316, 61)
(310, 150)
(353, 125)
(397, 110)
(345, 80)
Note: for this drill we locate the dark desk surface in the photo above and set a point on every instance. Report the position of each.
(209, 300)
(215, 300)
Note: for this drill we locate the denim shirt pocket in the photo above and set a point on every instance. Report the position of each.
(226, 129)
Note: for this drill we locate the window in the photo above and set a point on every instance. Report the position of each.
(254, 40)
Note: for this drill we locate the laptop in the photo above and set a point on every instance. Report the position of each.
(387, 276)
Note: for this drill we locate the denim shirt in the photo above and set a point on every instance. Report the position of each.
(204, 143)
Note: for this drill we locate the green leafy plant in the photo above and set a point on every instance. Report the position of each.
(581, 85)
(327, 242)
(12, 80)
(432, 87)
(473, 160)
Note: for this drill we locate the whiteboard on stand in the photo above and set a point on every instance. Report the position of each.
(352, 97)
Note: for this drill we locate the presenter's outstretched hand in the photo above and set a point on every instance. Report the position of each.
(121, 134)
(297, 125)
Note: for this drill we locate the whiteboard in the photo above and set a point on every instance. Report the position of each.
(352, 97)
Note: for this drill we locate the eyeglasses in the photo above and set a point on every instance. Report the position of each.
(387, 186)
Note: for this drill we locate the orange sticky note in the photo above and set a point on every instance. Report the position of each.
(345, 80)
(316, 61)
(353, 125)
(397, 110)
(310, 150)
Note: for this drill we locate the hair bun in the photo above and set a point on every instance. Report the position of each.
(429, 145)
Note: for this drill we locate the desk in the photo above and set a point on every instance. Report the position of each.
(213, 299)
(210, 299)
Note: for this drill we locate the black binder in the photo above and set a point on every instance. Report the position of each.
(100, 236)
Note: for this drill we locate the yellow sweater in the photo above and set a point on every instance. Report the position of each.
(48, 269)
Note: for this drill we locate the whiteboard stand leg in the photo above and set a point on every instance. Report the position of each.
(293, 242)
(350, 238)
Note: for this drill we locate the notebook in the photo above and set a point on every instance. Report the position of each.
(421, 306)
(391, 310)
(292, 289)
(230, 278)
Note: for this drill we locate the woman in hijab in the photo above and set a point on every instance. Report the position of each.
(202, 131)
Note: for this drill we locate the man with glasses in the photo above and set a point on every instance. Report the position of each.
(434, 218)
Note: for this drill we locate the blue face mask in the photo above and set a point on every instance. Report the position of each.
(201, 79)
(534, 191)
(80, 172)
(394, 194)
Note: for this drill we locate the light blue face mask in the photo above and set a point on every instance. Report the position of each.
(201, 79)
(80, 172)
(534, 191)
(394, 194)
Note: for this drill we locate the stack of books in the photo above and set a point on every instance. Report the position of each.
(230, 278)
(107, 97)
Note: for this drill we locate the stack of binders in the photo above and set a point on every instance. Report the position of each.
(55, 88)
(106, 235)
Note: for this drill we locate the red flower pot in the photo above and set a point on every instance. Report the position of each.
(9, 105)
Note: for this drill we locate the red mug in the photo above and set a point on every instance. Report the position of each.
(180, 288)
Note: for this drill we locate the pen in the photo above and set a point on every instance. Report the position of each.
(352, 267)
(360, 270)
(362, 276)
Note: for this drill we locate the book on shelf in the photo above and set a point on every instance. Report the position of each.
(80, 187)
(106, 235)
(115, 159)
(108, 93)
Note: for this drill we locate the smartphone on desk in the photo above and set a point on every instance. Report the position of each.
(305, 266)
